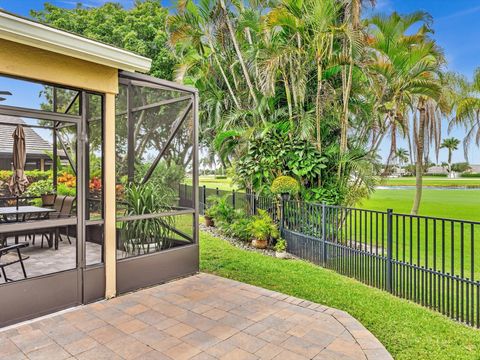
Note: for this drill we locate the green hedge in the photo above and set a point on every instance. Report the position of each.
(470, 175)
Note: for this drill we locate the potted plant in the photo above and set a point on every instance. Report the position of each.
(44, 190)
(219, 211)
(263, 230)
(285, 186)
(209, 214)
(280, 249)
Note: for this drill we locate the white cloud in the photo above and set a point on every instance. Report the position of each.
(469, 11)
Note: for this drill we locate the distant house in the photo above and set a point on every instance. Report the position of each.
(437, 170)
(37, 147)
(475, 169)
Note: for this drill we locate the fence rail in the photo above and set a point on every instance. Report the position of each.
(431, 261)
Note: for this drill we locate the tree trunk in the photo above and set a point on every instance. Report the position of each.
(449, 161)
(230, 90)
(240, 56)
(420, 139)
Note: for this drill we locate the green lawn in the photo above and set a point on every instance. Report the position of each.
(212, 183)
(454, 204)
(407, 330)
(433, 181)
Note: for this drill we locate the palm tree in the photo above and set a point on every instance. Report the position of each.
(402, 156)
(451, 144)
(466, 105)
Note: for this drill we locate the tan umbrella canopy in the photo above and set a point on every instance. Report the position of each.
(18, 182)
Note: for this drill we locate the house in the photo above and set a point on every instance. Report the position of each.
(37, 148)
(98, 93)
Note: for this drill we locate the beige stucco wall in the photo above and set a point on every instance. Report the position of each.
(37, 64)
(33, 63)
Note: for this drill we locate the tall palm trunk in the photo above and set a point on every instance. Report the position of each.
(420, 141)
(227, 82)
(450, 160)
(318, 106)
(240, 56)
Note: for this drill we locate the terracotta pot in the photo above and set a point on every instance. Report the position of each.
(48, 199)
(260, 244)
(209, 221)
(281, 255)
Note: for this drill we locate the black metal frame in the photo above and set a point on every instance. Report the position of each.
(71, 287)
(153, 268)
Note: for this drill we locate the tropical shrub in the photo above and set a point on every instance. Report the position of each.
(140, 235)
(68, 179)
(240, 227)
(63, 189)
(263, 227)
(285, 185)
(281, 245)
(37, 189)
(470, 175)
(220, 210)
(461, 167)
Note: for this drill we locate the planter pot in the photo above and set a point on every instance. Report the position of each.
(209, 221)
(281, 255)
(48, 199)
(260, 244)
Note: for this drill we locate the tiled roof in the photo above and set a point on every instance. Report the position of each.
(35, 144)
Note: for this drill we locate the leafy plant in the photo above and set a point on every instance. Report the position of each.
(281, 245)
(241, 226)
(220, 210)
(39, 188)
(263, 227)
(140, 235)
(285, 185)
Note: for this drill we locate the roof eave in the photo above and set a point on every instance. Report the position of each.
(37, 35)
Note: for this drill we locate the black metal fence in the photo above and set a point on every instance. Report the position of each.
(431, 261)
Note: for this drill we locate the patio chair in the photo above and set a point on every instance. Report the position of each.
(65, 212)
(57, 206)
(10, 255)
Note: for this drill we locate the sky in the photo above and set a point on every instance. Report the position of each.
(455, 23)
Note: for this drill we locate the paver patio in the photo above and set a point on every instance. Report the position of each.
(199, 317)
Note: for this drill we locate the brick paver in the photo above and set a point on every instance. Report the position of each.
(199, 317)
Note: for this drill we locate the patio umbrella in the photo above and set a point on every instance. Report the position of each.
(18, 182)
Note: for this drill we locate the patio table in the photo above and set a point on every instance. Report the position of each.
(20, 213)
(11, 214)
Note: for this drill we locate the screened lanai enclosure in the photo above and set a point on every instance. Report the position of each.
(156, 152)
(54, 224)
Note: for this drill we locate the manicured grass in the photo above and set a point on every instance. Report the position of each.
(212, 183)
(407, 330)
(433, 181)
(453, 204)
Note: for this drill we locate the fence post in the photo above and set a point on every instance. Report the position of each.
(282, 215)
(389, 277)
(324, 237)
(233, 199)
(254, 203)
(204, 199)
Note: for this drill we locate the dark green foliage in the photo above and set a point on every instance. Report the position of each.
(461, 167)
(240, 228)
(140, 29)
(274, 153)
(220, 210)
